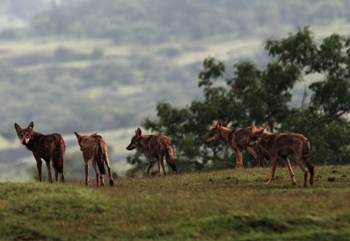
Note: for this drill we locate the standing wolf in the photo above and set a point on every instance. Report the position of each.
(94, 147)
(155, 146)
(50, 147)
(237, 139)
(283, 145)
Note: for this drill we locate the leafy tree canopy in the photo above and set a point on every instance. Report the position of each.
(262, 96)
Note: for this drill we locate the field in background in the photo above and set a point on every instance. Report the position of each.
(220, 205)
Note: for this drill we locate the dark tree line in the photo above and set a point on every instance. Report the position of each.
(260, 96)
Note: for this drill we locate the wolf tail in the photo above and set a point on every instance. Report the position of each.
(169, 156)
(100, 157)
(58, 155)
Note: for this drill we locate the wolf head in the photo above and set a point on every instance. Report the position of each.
(135, 141)
(83, 138)
(25, 134)
(214, 133)
(256, 136)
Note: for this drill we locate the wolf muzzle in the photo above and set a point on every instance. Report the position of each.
(251, 143)
(130, 147)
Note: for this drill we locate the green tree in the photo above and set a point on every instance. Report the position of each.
(332, 62)
(265, 93)
(298, 49)
(323, 121)
(260, 96)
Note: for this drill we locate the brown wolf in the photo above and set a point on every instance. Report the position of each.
(50, 147)
(155, 146)
(94, 147)
(283, 145)
(237, 139)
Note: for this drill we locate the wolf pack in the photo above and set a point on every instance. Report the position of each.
(51, 149)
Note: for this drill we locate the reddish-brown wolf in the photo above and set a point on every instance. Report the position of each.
(94, 147)
(283, 145)
(237, 139)
(155, 146)
(50, 147)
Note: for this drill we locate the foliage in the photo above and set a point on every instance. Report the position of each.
(332, 62)
(220, 205)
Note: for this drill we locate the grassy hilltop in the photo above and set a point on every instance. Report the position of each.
(220, 205)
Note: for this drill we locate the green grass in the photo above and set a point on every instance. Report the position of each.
(219, 205)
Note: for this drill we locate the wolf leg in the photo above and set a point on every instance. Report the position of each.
(56, 173)
(239, 161)
(169, 157)
(62, 177)
(310, 166)
(86, 165)
(97, 174)
(150, 164)
(159, 165)
(298, 160)
(290, 170)
(256, 157)
(265, 154)
(102, 180)
(39, 166)
(49, 172)
(273, 169)
(111, 181)
(161, 161)
(62, 161)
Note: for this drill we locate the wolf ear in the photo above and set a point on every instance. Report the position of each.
(17, 127)
(213, 123)
(31, 125)
(77, 135)
(264, 127)
(138, 132)
(219, 124)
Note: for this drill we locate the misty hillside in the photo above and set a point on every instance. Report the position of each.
(91, 65)
(98, 65)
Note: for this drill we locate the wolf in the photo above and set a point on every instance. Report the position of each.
(94, 147)
(237, 139)
(50, 147)
(155, 146)
(283, 145)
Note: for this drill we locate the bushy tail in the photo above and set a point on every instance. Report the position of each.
(58, 155)
(99, 158)
(169, 156)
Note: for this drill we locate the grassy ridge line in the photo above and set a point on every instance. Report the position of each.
(217, 205)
